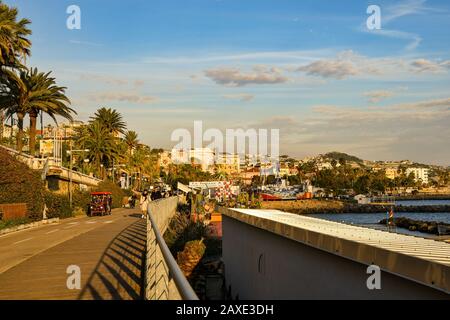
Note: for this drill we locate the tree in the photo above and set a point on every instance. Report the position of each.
(14, 44)
(131, 140)
(31, 92)
(110, 119)
(103, 148)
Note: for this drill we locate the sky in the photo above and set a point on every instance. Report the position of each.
(311, 69)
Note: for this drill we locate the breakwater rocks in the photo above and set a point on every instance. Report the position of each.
(373, 208)
(422, 226)
(334, 206)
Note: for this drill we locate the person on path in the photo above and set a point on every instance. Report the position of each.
(145, 199)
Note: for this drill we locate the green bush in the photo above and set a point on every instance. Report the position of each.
(81, 200)
(20, 184)
(181, 230)
(58, 206)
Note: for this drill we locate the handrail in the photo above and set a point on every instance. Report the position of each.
(47, 161)
(184, 288)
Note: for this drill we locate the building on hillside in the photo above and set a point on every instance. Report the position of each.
(9, 131)
(391, 173)
(270, 168)
(324, 165)
(164, 160)
(228, 163)
(204, 157)
(286, 171)
(362, 199)
(420, 174)
(66, 130)
(248, 175)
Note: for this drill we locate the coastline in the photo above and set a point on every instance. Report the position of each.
(424, 197)
(335, 206)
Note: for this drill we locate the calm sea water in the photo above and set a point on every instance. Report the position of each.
(374, 218)
(371, 219)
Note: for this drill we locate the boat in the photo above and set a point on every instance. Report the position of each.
(275, 193)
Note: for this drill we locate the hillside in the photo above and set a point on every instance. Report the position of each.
(340, 155)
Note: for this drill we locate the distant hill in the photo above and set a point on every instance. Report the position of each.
(340, 155)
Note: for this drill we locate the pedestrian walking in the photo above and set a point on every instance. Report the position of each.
(145, 199)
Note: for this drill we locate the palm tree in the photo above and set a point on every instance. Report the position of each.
(31, 92)
(102, 146)
(13, 42)
(48, 98)
(14, 45)
(109, 119)
(131, 140)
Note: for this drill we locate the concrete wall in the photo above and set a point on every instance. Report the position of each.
(262, 265)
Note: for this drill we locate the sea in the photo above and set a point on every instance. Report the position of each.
(371, 220)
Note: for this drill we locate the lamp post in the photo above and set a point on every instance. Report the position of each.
(114, 168)
(70, 152)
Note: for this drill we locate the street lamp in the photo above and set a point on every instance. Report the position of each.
(70, 152)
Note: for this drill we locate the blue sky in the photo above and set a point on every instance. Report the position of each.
(310, 68)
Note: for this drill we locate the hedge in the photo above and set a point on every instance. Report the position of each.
(117, 192)
(20, 184)
(58, 206)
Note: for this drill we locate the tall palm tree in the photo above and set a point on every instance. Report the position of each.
(103, 148)
(48, 98)
(131, 140)
(31, 92)
(110, 119)
(14, 44)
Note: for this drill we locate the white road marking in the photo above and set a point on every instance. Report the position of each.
(52, 231)
(22, 240)
(69, 226)
(74, 223)
(91, 222)
(109, 221)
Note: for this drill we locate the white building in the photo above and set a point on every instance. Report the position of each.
(420, 174)
(362, 199)
(201, 156)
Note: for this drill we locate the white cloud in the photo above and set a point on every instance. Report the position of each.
(414, 39)
(418, 131)
(392, 12)
(344, 65)
(424, 65)
(234, 77)
(338, 69)
(403, 8)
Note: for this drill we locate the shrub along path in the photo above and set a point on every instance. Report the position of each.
(108, 250)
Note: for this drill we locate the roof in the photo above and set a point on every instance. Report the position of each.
(421, 260)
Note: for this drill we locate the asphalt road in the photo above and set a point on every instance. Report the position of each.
(108, 250)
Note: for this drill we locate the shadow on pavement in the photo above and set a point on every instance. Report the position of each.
(119, 273)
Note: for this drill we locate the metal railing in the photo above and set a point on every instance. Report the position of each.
(50, 163)
(164, 279)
